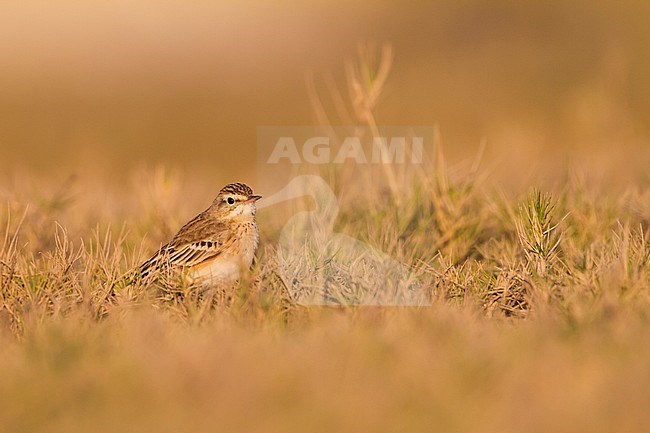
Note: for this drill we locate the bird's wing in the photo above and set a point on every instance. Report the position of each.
(197, 241)
(193, 253)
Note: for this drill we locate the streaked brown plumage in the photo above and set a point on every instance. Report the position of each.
(217, 244)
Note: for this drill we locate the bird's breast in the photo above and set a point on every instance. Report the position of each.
(236, 257)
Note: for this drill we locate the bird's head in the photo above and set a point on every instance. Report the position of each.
(235, 199)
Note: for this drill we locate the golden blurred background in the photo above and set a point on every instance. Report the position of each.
(108, 87)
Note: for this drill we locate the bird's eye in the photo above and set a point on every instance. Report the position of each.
(231, 200)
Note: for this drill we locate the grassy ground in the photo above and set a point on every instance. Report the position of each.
(539, 320)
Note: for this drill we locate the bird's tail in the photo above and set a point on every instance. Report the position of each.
(129, 278)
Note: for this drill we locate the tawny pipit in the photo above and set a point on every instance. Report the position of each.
(217, 244)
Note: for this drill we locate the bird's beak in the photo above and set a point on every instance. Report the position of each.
(253, 198)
